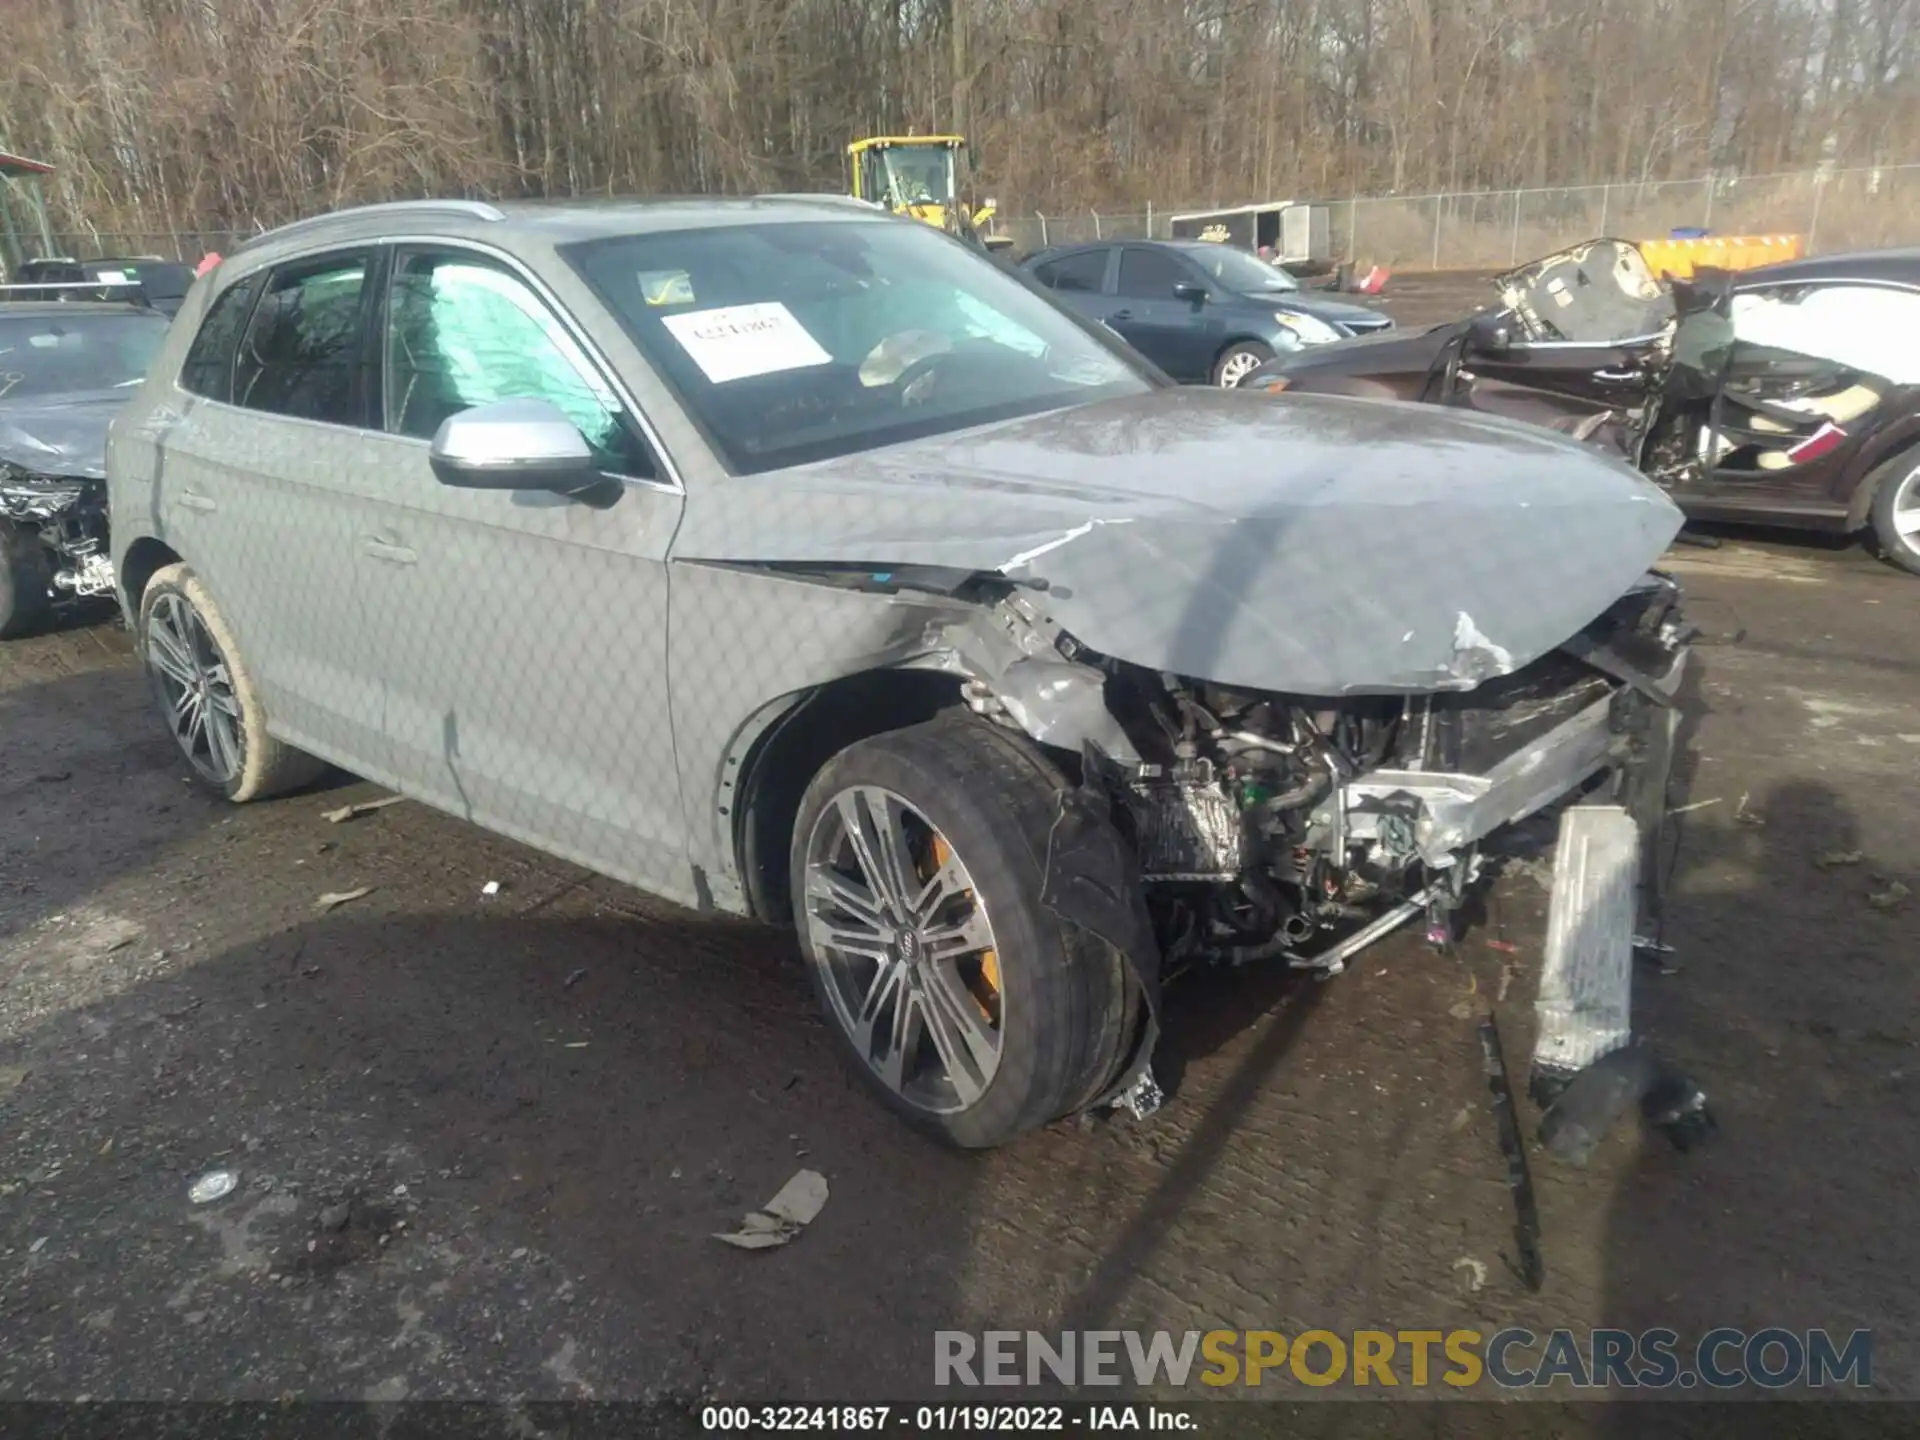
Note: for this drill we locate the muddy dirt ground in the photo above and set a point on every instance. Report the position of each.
(483, 1140)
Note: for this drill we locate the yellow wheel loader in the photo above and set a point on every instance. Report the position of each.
(915, 175)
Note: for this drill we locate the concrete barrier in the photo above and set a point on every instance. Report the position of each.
(1680, 258)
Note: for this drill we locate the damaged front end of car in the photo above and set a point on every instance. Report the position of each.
(53, 504)
(1294, 703)
(66, 517)
(1217, 825)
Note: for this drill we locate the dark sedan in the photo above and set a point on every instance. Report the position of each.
(1786, 395)
(1203, 312)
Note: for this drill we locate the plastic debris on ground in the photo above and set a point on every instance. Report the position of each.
(1476, 1272)
(1696, 805)
(492, 887)
(363, 807)
(212, 1186)
(784, 1216)
(1834, 858)
(1889, 898)
(340, 897)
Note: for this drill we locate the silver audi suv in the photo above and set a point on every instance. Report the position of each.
(789, 559)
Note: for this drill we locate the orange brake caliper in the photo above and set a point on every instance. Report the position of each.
(989, 960)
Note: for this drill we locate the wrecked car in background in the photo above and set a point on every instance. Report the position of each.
(1785, 395)
(65, 368)
(791, 560)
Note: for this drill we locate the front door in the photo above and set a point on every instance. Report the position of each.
(1810, 368)
(1177, 333)
(523, 633)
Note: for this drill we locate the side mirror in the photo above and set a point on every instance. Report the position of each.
(1489, 335)
(1191, 290)
(512, 445)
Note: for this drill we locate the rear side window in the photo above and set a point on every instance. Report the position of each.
(208, 371)
(1085, 270)
(304, 354)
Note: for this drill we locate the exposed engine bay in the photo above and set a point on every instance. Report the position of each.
(67, 517)
(1303, 829)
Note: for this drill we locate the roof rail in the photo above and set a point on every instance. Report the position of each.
(828, 198)
(472, 209)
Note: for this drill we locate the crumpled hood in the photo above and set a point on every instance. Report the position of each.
(63, 435)
(1314, 545)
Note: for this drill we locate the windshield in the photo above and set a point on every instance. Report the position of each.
(919, 175)
(51, 354)
(793, 342)
(1238, 271)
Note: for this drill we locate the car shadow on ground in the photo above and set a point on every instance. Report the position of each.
(1808, 1055)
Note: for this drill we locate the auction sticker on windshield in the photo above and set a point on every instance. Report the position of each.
(738, 341)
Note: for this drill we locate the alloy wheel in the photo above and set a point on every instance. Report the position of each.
(1237, 368)
(195, 684)
(1906, 510)
(905, 949)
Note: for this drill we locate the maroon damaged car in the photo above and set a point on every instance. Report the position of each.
(1788, 395)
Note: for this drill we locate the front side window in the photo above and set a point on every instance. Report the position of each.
(1857, 328)
(918, 174)
(462, 331)
(798, 341)
(50, 355)
(303, 353)
(1150, 274)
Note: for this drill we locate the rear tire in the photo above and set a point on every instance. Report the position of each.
(195, 672)
(1238, 361)
(26, 582)
(1896, 502)
(1040, 1039)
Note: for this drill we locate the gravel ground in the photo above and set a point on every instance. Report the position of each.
(483, 1141)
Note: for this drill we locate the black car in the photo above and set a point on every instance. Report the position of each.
(66, 368)
(162, 284)
(1203, 312)
(1785, 395)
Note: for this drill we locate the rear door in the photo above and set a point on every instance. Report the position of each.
(259, 467)
(1181, 336)
(523, 633)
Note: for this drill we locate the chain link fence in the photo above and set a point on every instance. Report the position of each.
(1853, 209)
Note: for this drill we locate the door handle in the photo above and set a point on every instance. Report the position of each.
(1121, 315)
(193, 501)
(386, 550)
(1616, 375)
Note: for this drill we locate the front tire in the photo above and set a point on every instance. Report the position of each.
(1238, 361)
(1896, 513)
(969, 1007)
(207, 697)
(26, 582)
